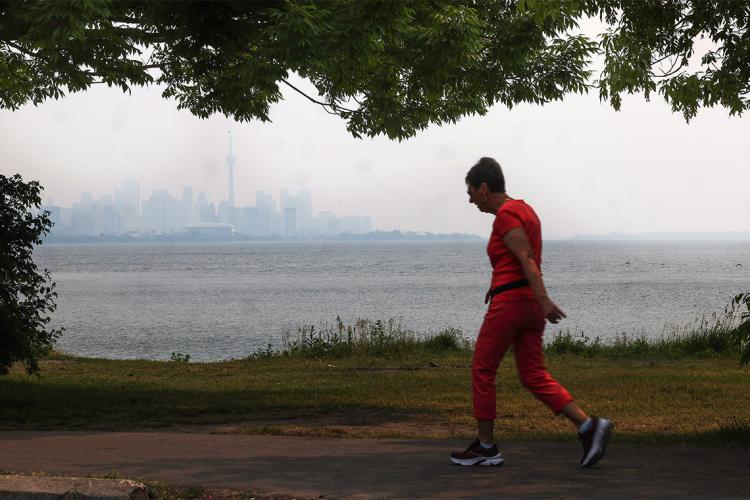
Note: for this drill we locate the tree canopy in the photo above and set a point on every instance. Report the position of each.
(385, 66)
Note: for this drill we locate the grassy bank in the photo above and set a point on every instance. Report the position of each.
(706, 337)
(379, 380)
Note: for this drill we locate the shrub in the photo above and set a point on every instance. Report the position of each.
(179, 357)
(450, 339)
(27, 295)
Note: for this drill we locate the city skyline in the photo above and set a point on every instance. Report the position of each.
(127, 212)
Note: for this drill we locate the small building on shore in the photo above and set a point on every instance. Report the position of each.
(210, 229)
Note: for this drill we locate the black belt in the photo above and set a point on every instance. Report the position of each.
(508, 286)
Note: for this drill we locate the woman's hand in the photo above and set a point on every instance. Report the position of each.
(551, 311)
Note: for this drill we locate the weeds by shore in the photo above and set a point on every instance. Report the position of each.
(706, 337)
(365, 338)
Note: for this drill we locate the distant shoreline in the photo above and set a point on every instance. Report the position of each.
(192, 238)
(381, 236)
(667, 236)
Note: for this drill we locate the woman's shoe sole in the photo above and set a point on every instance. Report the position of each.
(484, 462)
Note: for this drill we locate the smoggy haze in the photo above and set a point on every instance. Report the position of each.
(585, 167)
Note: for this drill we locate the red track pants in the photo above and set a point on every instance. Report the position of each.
(518, 322)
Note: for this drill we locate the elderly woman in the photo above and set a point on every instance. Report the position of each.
(518, 307)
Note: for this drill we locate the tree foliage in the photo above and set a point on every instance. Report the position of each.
(693, 52)
(26, 294)
(385, 66)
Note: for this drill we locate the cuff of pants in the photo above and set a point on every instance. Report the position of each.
(484, 416)
(558, 406)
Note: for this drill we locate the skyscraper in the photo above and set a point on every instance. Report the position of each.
(302, 205)
(128, 202)
(187, 215)
(304, 209)
(230, 166)
(290, 221)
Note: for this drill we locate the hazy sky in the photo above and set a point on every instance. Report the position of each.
(584, 167)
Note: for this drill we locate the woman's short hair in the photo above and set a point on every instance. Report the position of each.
(486, 170)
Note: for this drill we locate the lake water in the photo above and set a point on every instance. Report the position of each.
(225, 300)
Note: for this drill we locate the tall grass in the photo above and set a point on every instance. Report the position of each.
(704, 337)
(713, 335)
(366, 338)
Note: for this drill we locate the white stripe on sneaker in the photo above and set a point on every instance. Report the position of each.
(483, 461)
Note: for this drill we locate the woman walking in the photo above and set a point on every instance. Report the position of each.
(518, 308)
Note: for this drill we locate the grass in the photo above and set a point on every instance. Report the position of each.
(380, 380)
(376, 379)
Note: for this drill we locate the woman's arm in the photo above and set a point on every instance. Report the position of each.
(518, 244)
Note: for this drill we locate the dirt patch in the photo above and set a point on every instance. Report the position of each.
(355, 425)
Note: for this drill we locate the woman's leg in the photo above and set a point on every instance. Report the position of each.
(575, 414)
(495, 337)
(529, 354)
(594, 432)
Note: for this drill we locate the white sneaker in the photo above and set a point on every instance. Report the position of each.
(595, 441)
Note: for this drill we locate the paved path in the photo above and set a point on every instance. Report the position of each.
(364, 468)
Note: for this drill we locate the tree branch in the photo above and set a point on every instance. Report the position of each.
(125, 20)
(335, 107)
(21, 49)
(657, 61)
(141, 34)
(672, 70)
